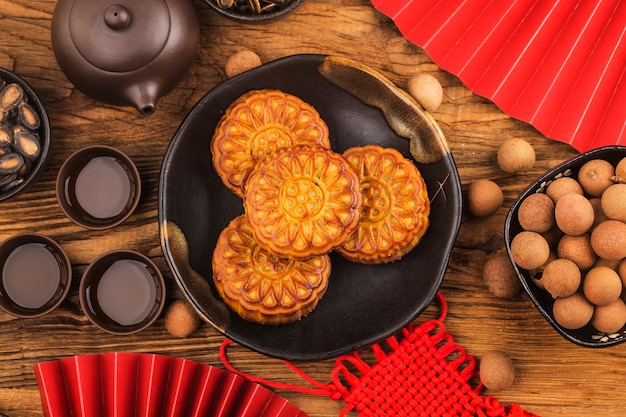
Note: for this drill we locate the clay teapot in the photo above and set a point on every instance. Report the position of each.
(125, 52)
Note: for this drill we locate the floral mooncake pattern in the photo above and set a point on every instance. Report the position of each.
(262, 287)
(255, 125)
(395, 210)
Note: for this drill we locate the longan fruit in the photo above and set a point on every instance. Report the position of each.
(536, 213)
(529, 250)
(595, 176)
(536, 275)
(620, 171)
(610, 318)
(180, 319)
(613, 202)
(241, 61)
(562, 186)
(572, 312)
(426, 89)
(553, 236)
(516, 155)
(602, 285)
(608, 240)
(621, 271)
(484, 197)
(496, 370)
(573, 214)
(500, 276)
(613, 264)
(561, 278)
(577, 249)
(598, 214)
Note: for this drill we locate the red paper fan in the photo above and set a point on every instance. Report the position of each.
(147, 385)
(559, 65)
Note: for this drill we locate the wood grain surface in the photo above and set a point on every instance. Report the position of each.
(554, 378)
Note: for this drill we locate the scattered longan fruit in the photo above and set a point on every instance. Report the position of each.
(609, 318)
(536, 213)
(573, 214)
(562, 186)
(180, 319)
(241, 61)
(516, 155)
(529, 250)
(602, 285)
(572, 312)
(426, 89)
(577, 249)
(613, 202)
(595, 176)
(496, 370)
(500, 276)
(561, 278)
(608, 240)
(484, 197)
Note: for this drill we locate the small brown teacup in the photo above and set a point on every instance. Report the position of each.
(36, 275)
(122, 292)
(98, 187)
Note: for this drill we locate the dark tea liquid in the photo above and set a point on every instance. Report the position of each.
(31, 275)
(103, 187)
(126, 292)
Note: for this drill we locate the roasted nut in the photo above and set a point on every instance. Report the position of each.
(27, 144)
(10, 96)
(11, 163)
(28, 116)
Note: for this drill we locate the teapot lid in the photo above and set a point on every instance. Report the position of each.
(119, 37)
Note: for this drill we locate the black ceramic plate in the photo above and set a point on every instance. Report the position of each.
(363, 304)
(586, 336)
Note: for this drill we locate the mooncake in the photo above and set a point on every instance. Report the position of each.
(395, 210)
(302, 201)
(262, 287)
(255, 125)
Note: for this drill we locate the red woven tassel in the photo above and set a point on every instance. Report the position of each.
(425, 374)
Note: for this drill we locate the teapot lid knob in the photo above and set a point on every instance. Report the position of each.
(117, 17)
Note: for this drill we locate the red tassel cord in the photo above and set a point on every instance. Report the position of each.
(424, 374)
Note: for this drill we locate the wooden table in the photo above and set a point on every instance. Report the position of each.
(554, 377)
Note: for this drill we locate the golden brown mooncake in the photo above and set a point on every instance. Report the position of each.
(395, 210)
(255, 125)
(302, 201)
(262, 287)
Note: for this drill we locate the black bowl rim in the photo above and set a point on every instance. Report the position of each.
(46, 136)
(254, 18)
(525, 281)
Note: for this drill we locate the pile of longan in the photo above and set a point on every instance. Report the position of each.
(574, 245)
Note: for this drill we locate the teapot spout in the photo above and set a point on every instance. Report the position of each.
(143, 97)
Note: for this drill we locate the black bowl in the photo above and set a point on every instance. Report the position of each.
(255, 17)
(10, 187)
(586, 336)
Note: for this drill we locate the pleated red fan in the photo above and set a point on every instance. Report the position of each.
(421, 373)
(556, 64)
(147, 385)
